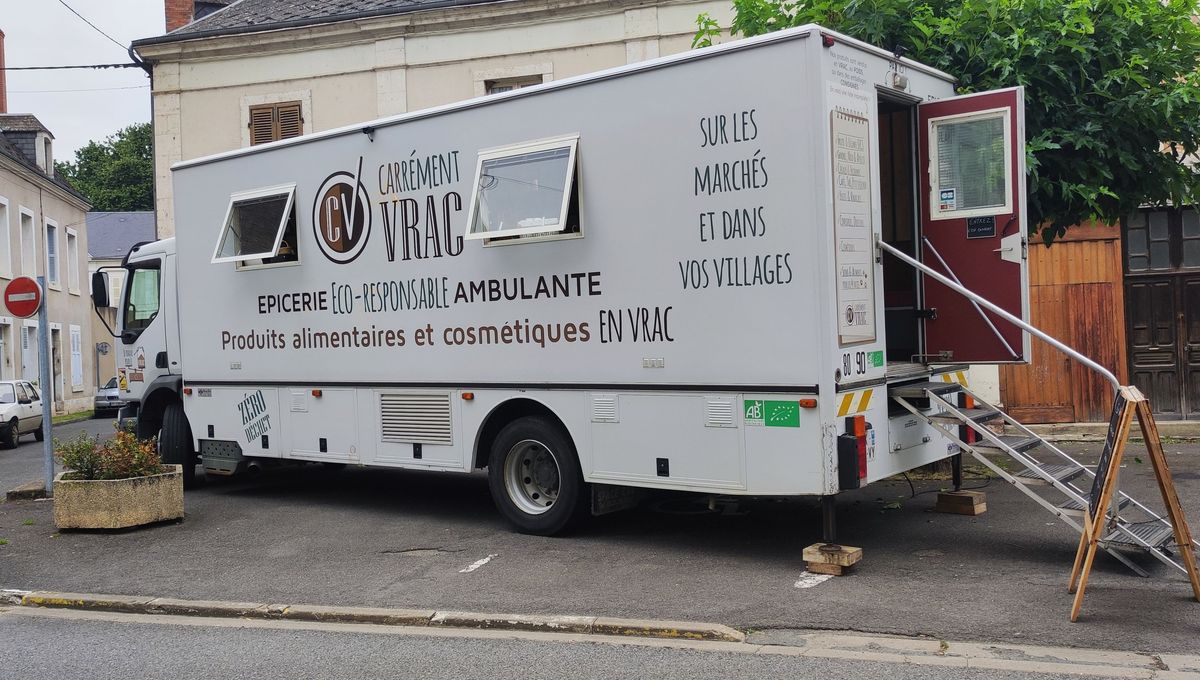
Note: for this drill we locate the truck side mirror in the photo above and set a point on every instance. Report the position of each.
(99, 290)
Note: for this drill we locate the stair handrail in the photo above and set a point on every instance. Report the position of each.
(1002, 313)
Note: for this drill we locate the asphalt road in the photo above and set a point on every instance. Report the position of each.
(405, 539)
(24, 463)
(35, 648)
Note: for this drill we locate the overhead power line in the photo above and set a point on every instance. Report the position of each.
(88, 89)
(55, 68)
(94, 26)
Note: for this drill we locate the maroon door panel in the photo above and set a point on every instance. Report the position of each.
(973, 224)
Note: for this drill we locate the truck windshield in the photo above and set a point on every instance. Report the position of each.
(141, 300)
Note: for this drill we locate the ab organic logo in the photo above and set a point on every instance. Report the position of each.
(342, 216)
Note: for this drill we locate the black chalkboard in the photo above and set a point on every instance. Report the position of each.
(1110, 444)
(981, 227)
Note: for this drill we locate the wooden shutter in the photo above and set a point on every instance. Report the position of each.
(262, 124)
(271, 122)
(288, 120)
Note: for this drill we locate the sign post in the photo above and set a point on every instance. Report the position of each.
(23, 298)
(44, 388)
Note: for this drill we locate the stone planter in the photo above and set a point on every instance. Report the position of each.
(118, 503)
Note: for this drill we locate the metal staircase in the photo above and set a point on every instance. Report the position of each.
(1049, 476)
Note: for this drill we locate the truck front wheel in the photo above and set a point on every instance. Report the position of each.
(535, 479)
(175, 442)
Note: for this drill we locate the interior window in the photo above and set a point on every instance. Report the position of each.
(21, 393)
(525, 191)
(32, 392)
(971, 164)
(255, 227)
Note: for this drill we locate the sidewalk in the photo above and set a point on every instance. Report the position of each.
(414, 540)
(1182, 430)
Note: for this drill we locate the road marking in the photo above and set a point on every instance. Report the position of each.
(808, 579)
(476, 564)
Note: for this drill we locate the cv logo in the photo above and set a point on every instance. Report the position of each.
(342, 216)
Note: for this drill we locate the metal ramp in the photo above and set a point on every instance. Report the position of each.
(1050, 477)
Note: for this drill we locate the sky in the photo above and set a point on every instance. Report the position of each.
(45, 33)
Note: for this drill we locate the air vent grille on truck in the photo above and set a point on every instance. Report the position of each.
(604, 408)
(415, 418)
(719, 413)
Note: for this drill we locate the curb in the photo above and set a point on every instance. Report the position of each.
(594, 625)
(28, 491)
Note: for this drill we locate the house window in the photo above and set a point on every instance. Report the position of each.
(272, 122)
(260, 228)
(525, 190)
(970, 162)
(28, 245)
(506, 84)
(73, 261)
(1162, 239)
(5, 242)
(52, 253)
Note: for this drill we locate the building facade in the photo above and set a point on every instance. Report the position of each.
(43, 232)
(260, 70)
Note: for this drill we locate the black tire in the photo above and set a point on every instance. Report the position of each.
(12, 435)
(175, 443)
(573, 496)
(40, 434)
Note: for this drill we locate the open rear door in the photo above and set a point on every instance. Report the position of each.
(973, 224)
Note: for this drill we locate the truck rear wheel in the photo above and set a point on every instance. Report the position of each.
(535, 479)
(175, 442)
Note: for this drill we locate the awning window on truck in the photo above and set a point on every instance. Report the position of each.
(256, 224)
(524, 190)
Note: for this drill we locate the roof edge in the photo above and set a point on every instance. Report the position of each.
(175, 37)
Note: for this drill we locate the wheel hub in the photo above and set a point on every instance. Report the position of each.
(531, 476)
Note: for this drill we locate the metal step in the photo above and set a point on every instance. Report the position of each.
(1043, 473)
(979, 415)
(919, 389)
(1014, 442)
(1075, 509)
(1156, 534)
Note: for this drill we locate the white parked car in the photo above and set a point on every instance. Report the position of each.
(20, 412)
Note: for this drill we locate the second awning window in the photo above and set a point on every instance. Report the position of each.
(523, 190)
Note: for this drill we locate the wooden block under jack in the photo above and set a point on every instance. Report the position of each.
(829, 558)
(961, 502)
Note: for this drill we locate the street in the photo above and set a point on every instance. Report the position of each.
(392, 538)
(64, 645)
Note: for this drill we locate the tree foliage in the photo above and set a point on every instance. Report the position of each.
(118, 173)
(1112, 88)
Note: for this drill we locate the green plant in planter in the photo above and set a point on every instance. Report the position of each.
(122, 457)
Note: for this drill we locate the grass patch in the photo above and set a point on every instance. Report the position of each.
(28, 522)
(3, 541)
(73, 417)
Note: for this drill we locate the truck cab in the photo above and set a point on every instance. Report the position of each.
(149, 364)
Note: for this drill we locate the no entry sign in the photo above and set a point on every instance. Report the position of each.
(23, 297)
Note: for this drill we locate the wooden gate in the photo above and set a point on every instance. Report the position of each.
(1076, 296)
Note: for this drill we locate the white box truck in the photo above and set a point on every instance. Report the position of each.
(665, 275)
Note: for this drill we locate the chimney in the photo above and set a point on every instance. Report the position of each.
(3, 84)
(179, 13)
